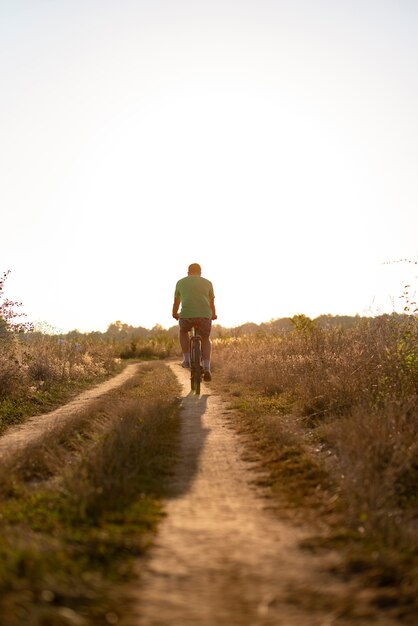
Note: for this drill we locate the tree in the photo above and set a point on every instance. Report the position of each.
(302, 323)
(9, 317)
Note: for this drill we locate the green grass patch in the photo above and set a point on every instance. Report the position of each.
(254, 403)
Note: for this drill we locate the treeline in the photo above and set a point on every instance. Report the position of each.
(121, 333)
(287, 324)
(127, 341)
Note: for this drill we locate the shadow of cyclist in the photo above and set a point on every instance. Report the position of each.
(193, 435)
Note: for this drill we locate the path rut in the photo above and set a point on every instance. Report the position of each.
(17, 437)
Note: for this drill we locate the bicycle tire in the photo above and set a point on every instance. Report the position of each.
(192, 364)
(196, 374)
(192, 383)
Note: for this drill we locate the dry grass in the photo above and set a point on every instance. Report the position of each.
(79, 505)
(333, 415)
(39, 372)
(329, 371)
(377, 461)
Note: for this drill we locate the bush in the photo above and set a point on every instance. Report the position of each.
(156, 348)
(10, 374)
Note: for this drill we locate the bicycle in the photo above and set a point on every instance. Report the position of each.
(196, 368)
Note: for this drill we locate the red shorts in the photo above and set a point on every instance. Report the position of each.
(203, 325)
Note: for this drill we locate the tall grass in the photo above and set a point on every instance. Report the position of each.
(355, 391)
(38, 371)
(330, 371)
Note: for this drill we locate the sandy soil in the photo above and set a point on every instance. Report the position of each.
(221, 557)
(17, 437)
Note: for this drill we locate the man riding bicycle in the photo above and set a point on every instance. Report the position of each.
(197, 299)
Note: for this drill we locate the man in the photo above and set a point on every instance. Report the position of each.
(195, 294)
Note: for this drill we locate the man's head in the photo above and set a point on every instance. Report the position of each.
(194, 269)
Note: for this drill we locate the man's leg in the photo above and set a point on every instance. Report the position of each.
(185, 347)
(205, 328)
(206, 352)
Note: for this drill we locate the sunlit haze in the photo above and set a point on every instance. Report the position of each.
(273, 142)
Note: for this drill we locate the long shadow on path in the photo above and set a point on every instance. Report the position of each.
(193, 436)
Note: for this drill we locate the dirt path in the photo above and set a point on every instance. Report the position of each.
(221, 558)
(18, 436)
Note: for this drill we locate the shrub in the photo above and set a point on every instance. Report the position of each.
(10, 374)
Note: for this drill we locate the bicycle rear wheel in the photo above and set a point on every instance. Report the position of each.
(196, 372)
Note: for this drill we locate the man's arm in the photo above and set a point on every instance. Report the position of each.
(176, 305)
(212, 306)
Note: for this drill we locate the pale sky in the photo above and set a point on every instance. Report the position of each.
(273, 142)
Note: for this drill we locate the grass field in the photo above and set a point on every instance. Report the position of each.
(332, 414)
(329, 411)
(78, 506)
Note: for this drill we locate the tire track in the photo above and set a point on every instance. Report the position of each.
(17, 437)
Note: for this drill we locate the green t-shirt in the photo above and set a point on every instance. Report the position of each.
(195, 294)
